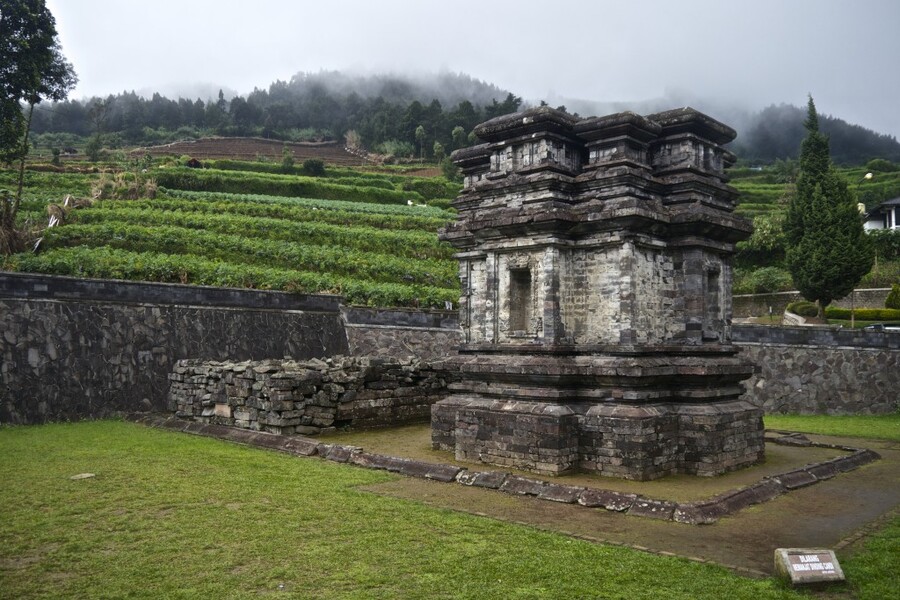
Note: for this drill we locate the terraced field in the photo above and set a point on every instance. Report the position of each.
(369, 236)
(762, 194)
(379, 253)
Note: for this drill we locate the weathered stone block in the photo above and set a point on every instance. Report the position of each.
(610, 500)
(656, 509)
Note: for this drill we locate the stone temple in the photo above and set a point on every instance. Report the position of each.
(595, 261)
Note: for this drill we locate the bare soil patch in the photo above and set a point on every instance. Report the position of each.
(331, 153)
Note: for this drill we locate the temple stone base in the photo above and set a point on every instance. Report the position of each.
(639, 442)
(530, 436)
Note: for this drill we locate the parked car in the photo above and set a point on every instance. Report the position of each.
(883, 327)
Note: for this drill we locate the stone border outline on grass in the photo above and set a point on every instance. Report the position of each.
(700, 512)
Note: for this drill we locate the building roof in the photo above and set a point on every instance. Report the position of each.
(875, 213)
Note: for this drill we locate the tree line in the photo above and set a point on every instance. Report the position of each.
(303, 109)
(777, 132)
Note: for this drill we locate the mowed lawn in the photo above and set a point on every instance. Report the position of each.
(877, 427)
(170, 515)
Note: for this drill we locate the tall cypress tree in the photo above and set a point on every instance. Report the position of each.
(828, 251)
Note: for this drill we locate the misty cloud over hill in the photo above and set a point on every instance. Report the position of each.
(384, 108)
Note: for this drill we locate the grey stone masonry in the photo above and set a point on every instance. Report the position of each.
(400, 332)
(306, 397)
(595, 263)
(78, 348)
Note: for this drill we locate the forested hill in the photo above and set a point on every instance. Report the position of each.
(447, 88)
(401, 115)
(777, 131)
(383, 111)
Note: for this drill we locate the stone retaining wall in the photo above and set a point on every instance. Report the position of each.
(758, 305)
(811, 370)
(823, 380)
(399, 332)
(74, 348)
(306, 397)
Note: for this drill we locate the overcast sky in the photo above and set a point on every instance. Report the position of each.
(748, 54)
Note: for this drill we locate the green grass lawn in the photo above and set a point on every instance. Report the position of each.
(175, 516)
(880, 427)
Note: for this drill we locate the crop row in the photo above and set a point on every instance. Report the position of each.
(110, 263)
(355, 207)
(760, 193)
(277, 185)
(49, 187)
(279, 211)
(239, 249)
(411, 244)
(430, 188)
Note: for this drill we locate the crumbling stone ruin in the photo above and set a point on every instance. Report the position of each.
(595, 261)
(305, 397)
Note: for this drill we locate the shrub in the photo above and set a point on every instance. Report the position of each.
(767, 280)
(441, 203)
(93, 148)
(396, 148)
(450, 170)
(804, 308)
(863, 314)
(893, 298)
(432, 187)
(287, 160)
(314, 167)
(880, 164)
(886, 242)
(123, 186)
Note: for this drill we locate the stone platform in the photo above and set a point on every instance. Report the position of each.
(637, 417)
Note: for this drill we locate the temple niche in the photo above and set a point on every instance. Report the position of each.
(595, 263)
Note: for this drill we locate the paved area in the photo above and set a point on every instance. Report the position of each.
(829, 514)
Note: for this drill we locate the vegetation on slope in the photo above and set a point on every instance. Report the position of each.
(765, 194)
(371, 253)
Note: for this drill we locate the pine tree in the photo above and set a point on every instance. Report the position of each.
(828, 251)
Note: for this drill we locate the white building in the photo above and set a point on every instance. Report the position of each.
(885, 216)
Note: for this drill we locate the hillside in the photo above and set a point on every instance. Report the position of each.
(370, 237)
(777, 131)
(766, 191)
(765, 194)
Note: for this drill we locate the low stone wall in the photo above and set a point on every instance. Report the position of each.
(823, 379)
(306, 397)
(75, 348)
(813, 336)
(812, 370)
(758, 305)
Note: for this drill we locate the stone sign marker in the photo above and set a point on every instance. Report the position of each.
(595, 262)
(805, 566)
